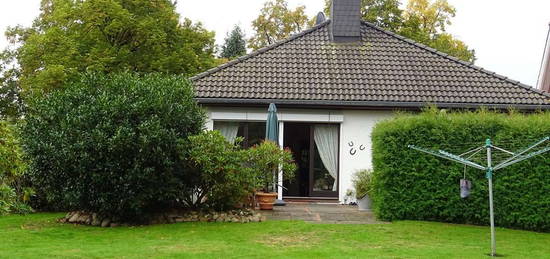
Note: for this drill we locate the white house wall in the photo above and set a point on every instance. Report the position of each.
(355, 132)
(355, 144)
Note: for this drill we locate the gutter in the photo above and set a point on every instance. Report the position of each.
(364, 104)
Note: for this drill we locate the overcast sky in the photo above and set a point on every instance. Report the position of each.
(508, 35)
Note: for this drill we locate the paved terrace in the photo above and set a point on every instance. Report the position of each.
(321, 213)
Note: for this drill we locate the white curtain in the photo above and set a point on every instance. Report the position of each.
(326, 140)
(228, 129)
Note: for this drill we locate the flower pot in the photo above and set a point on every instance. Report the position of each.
(364, 203)
(266, 200)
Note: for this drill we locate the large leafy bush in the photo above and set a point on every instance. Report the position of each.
(13, 191)
(266, 159)
(413, 185)
(222, 179)
(113, 144)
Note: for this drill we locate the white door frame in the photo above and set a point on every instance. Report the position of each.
(281, 144)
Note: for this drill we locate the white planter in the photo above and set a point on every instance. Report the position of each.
(364, 203)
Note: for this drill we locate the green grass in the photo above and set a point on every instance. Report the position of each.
(39, 236)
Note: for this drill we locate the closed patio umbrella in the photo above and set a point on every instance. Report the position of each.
(272, 134)
(272, 124)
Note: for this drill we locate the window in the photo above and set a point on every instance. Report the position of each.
(252, 132)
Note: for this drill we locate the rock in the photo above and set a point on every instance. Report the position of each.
(105, 223)
(257, 218)
(96, 221)
(69, 215)
(173, 214)
(88, 220)
(74, 217)
(82, 217)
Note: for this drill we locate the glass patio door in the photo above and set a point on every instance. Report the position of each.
(323, 168)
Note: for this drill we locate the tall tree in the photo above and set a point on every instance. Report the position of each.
(71, 36)
(422, 20)
(235, 44)
(426, 22)
(276, 22)
(10, 100)
(383, 13)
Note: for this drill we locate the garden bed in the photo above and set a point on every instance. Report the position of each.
(175, 216)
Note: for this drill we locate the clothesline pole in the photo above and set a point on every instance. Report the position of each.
(490, 182)
(489, 169)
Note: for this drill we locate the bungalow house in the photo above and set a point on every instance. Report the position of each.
(332, 83)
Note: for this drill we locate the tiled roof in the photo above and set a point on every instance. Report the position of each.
(384, 69)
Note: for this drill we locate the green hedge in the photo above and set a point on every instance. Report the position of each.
(412, 185)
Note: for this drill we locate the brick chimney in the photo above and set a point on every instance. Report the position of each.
(345, 20)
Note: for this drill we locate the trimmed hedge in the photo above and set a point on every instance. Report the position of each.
(409, 184)
(113, 144)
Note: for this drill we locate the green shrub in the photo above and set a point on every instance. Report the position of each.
(362, 183)
(266, 158)
(220, 180)
(13, 192)
(413, 185)
(114, 144)
(7, 198)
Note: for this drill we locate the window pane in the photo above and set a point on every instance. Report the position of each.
(252, 132)
(228, 129)
(241, 133)
(256, 133)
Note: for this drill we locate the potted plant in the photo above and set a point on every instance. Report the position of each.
(362, 182)
(348, 198)
(266, 159)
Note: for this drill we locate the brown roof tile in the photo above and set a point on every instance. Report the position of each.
(383, 67)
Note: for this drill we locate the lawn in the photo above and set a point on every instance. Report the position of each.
(38, 236)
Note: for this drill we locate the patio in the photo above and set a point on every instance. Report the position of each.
(321, 213)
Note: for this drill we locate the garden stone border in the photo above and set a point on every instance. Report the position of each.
(235, 216)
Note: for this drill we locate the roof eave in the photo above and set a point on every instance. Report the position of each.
(365, 104)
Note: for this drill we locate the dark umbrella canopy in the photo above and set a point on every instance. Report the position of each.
(272, 124)
(272, 134)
